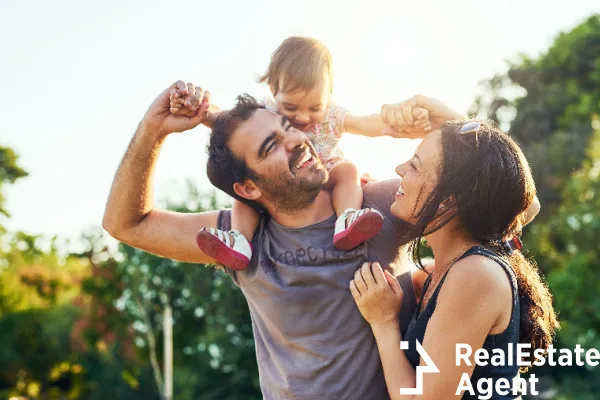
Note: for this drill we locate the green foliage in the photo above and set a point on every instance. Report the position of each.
(548, 103)
(551, 105)
(10, 172)
(214, 356)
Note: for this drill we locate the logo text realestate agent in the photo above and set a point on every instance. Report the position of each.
(484, 388)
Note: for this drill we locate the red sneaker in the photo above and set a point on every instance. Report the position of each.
(229, 248)
(362, 226)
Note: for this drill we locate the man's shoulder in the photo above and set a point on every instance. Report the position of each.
(380, 194)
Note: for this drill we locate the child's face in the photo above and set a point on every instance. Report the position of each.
(304, 109)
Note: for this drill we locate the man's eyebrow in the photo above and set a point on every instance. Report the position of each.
(265, 143)
(263, 146)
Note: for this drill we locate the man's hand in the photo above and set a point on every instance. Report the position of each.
(401, 116)
(179, 108)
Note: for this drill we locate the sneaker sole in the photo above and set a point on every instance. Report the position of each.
(364, 228)
(215, 248)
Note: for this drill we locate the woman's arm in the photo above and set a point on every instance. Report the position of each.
(397, 115)
(475, 295)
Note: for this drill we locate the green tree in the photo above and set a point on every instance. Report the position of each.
(10, 172)
(550, 105)
(547, 104)
(214, 356)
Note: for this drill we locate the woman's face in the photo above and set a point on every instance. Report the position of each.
(418, 177)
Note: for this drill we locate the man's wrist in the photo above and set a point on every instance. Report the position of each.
(148, 132)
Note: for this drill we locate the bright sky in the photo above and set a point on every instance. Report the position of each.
(76, 77)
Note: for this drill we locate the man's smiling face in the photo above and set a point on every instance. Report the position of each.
(290, 174)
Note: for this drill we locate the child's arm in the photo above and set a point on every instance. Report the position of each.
(374, 126)
(185, 104)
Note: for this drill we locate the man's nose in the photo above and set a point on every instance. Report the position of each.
(294, 138)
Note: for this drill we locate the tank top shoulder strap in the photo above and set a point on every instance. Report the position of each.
(482, 251)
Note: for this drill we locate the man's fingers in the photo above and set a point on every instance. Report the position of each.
(181, 87)
(198, 94)
(174, 93)
(189, 99)
(205, 103)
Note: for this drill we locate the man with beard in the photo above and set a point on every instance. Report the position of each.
(311, 340)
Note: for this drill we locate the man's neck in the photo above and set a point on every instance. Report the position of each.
(319, 210)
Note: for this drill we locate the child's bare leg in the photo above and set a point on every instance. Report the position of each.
(347, 192)
(244, 219)
(354, 225)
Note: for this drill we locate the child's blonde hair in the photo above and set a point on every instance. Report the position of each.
(298, 64)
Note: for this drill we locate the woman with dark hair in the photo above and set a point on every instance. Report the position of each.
(466, 190)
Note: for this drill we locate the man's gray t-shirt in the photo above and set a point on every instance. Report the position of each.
(311, 340)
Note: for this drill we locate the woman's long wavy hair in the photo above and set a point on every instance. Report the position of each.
(486, 183)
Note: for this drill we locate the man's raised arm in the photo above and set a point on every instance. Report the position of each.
(130, 216)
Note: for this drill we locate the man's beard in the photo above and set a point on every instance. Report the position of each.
(290, 194)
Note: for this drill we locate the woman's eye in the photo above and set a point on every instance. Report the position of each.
(290, 108)
(315, 109)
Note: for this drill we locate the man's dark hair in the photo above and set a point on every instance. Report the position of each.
(223, 167)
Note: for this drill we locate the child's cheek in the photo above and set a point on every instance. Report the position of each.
(318, 117)
(283, 111)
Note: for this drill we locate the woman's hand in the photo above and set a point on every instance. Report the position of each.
(377, 294)
(399, 116)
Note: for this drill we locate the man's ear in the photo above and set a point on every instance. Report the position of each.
(247, 190)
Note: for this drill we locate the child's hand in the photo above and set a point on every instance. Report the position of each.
(185, 99)
(405, 122)
(421, 116)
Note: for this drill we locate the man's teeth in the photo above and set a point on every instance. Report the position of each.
(304, 159)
